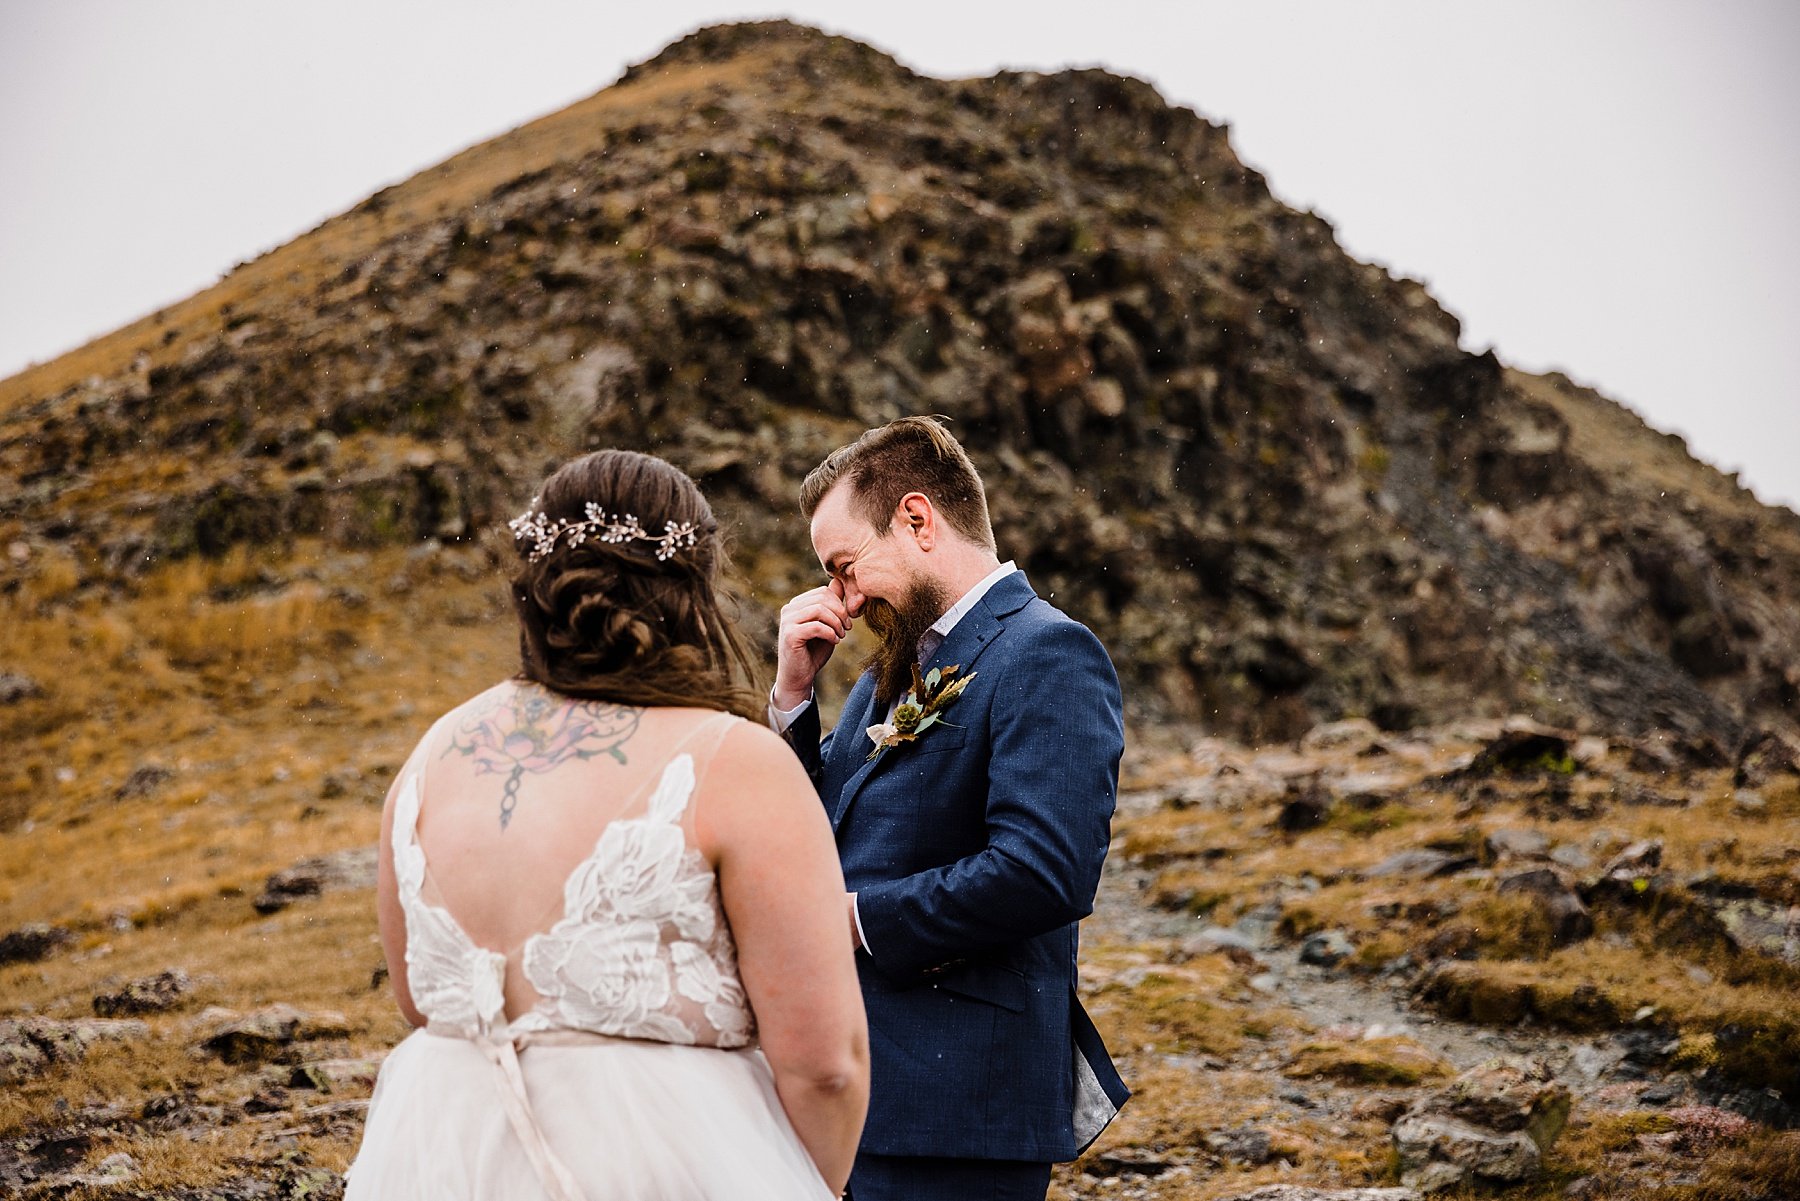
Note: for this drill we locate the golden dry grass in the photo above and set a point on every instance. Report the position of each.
(249, 680)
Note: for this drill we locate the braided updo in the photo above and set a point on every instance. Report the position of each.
(610, 621)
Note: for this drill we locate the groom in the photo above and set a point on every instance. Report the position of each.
(972, 847)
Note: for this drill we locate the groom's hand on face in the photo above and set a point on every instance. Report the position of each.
(812, 624)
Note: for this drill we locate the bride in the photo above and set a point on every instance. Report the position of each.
(610, 904)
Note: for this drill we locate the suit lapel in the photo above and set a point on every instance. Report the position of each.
(972, 635)
(865, 717)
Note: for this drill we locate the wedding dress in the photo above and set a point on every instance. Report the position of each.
(632, 1075)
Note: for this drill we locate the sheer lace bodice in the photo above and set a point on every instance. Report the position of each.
(642, 949)
(621, 997)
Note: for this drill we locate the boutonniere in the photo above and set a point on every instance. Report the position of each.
(921, 708)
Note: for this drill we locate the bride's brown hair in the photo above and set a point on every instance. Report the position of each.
(611, 621)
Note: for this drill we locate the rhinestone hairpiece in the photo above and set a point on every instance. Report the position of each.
(534, 526)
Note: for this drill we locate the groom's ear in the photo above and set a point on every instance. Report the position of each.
(916, 514)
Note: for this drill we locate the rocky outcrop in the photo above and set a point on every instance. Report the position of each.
(270, 1034)
(30, 1046)
(152, 994)
(32, 942)
(1491, 1125)
(1264, 472)
(348, 869)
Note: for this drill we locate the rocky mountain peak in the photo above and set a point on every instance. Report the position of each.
(1267, 473)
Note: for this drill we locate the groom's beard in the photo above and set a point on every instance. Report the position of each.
(899, 626)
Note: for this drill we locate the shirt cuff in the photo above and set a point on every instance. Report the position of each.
(856, 916)
(781, 719)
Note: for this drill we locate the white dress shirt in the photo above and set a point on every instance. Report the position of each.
(781, 719)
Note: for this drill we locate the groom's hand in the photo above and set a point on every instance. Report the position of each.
(812, 624)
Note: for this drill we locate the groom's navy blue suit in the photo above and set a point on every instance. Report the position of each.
(973, 852)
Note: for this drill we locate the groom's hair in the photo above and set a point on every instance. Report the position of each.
(913, 454)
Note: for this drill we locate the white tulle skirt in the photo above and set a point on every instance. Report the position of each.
(629, 1120)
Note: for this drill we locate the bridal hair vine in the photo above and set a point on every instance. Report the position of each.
(541, 532)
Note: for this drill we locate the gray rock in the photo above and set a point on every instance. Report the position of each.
(1760, 927)
(29, 1046)
(1246, 1145)
(32, 942)
(1421, 862)
(1307, 806)
(1765, 756)
(1507, 1093)
(269, 1033)
(117, 1168)
(152, 994)
(1556, 899)
(145, 779)
(1219, 938)
(1518, 844)
(1491, 1125)
(1371, 789)
(1356, 735)
(21, 1057)
(1524, 752)
(16, 686)
(1640, 859)
(1327, 948)
(1746, 803)
(347, 869)
(1128, 1161)
(1571, 856)
(333, 1075)
(1439, 1152)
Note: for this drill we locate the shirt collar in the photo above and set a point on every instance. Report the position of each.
(943, 625)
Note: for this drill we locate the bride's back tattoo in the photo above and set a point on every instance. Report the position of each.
(522, 730)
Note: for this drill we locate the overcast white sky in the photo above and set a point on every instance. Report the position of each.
(1608, 187)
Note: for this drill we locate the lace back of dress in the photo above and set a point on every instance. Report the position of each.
(638, 947)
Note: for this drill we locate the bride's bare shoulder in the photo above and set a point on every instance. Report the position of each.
(750, 752)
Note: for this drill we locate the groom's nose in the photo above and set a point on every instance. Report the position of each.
(853, 599)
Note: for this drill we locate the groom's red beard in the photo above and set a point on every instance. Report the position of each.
(899, 626)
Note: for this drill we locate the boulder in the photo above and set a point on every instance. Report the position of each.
(1521, 752)
(1765, 757)
(1517, 844)
(152, 994)
(1438, 1152)
(1640, 860)
(1756, 926)
(1127, 1161)
(268, 1034)
(1491, 1125)
(1555, 899)
(1371, 789)
(1307, 806)
(347, 869)
(21, 1056)
(1244, 1145)
(1215, 938)
(16, 686)
(32, 942)
(144, 780)
(28, 1046)
(1420, 862)
(1354, 736)
(1327, 948)
(333, 1075)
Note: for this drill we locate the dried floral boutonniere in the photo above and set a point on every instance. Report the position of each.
(921, 708)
